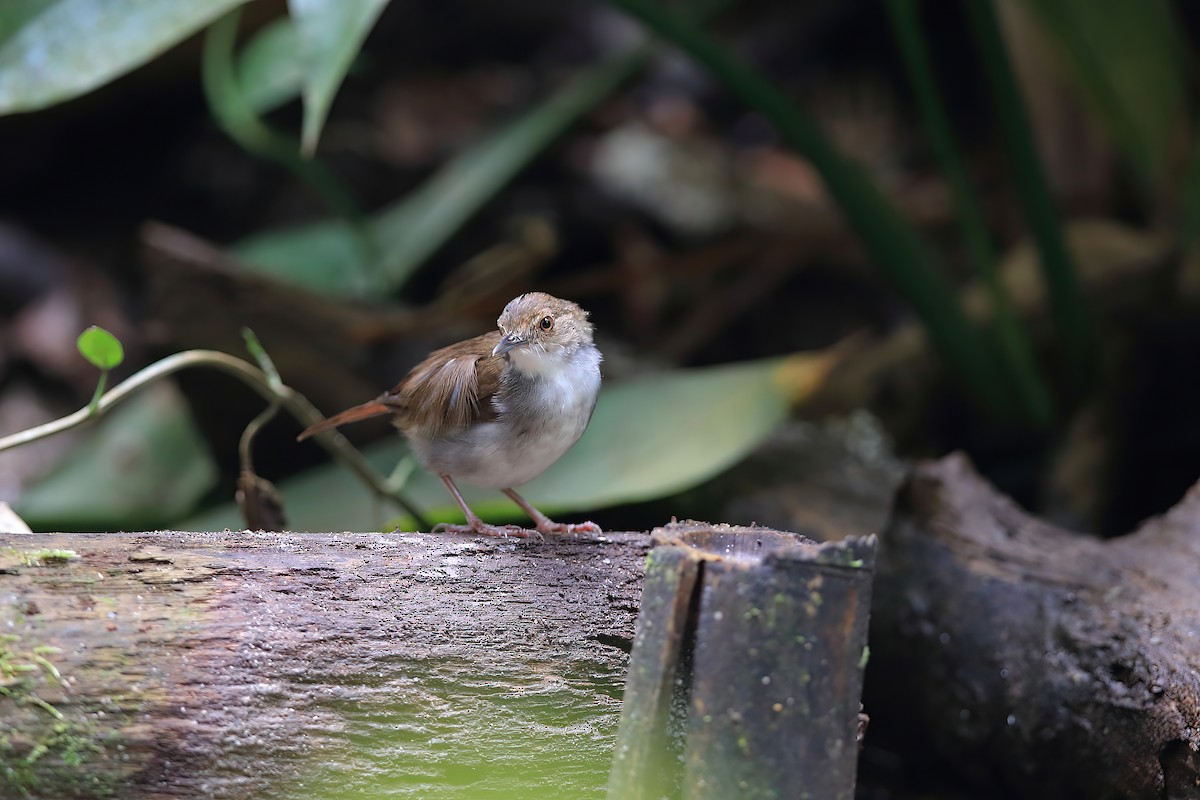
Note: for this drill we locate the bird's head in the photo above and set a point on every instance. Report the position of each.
(538, 331)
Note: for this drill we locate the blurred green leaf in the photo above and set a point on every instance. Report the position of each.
(100, 348)
(64, 48)
(15, 13)
(270, 67)
(648, 438)
(236, 115)
(331, 34)
(324, 256)
(145, 466)
(1127, 58)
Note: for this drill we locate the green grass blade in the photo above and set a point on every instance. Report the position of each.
(891, 241)
(1013, 340)
(1058, 268)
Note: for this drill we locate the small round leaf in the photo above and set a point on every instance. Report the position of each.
(100, 347)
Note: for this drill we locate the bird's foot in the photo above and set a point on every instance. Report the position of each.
(484, 529)
(550, 526)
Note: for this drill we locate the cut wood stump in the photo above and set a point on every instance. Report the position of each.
(746, 673)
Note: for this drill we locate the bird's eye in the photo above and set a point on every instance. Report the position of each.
(547, 323)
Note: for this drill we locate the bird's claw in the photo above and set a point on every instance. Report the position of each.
(549, 526)
(484, 529)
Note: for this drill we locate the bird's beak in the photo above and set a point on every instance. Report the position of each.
(510, 341)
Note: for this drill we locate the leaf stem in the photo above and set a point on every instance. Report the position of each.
(101, 384)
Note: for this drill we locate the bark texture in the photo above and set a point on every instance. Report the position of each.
(215, 664)
(1043, 663)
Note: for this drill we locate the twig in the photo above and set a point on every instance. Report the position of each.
(296, 404)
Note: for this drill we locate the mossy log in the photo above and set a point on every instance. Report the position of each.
(219, 664)
(1041, 663)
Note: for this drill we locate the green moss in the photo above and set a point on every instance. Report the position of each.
(840, 556)
(45, 759)
(44, 557)
(865, 657)
(19, 666)
(54, 764)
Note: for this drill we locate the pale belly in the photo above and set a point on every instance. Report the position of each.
(533, 432)
(498, 456)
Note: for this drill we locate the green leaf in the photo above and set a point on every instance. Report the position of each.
(145, 466)
(235, 114)
(64, 48)
(648, 438)
(15, 13)
(331, 34)
(324, 257)
(270, 68)
(100, 347)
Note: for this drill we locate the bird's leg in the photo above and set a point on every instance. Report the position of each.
(475, 524)
(546, 525)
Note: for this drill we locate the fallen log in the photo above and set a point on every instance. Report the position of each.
(1040, 663)
(254, 665)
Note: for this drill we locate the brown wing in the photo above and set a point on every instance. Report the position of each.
(450, 389)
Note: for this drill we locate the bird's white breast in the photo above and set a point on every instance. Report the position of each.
(542, 410)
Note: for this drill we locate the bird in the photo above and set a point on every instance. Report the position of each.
(499, 409)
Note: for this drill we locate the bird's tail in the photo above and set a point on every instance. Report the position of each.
(364, 411)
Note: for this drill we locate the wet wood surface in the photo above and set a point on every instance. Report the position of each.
(182, 664)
